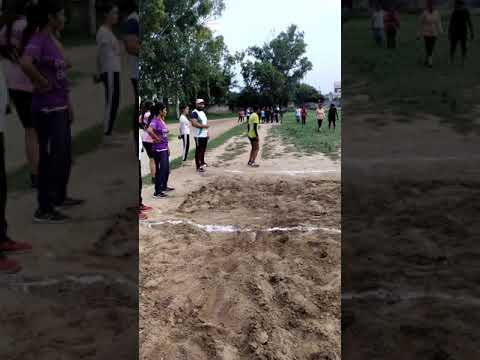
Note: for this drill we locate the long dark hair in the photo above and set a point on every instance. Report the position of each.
(21, 9)
(155, 110)
(45, 8)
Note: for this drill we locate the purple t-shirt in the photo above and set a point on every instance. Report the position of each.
(161, 131)
(50, 61)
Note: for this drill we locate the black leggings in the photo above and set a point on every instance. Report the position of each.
(162, 173)
(23, 104)
(430, 45)
(454, 40)
(111, 81)
(186, 146)
(3, 191)
(331, 122)
(55, 157)
(200, 150)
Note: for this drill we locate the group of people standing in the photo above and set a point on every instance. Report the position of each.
(154, 141)
(460, 29)
(267, 115)
(35, 81)
(301, 114)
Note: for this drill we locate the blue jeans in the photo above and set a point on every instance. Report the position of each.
(162, 164)
(378, 36)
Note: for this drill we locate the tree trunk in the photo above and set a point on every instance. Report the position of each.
(92, 17)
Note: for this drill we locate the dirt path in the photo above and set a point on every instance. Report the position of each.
(218, 127)
(243, 263)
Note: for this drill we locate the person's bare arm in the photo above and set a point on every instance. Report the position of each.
(196, 124)
(131, 45)
(152, 134)
(28, 67)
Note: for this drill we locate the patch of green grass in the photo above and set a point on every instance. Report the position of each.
(84, 142)
(306, 139)
(397, 81)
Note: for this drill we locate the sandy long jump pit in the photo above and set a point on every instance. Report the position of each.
(244, 269)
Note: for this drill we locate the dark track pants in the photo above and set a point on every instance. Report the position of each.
(111, 82)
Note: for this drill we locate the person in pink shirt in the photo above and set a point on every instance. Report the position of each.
(147, 140)
(14, 36)
(430, 28)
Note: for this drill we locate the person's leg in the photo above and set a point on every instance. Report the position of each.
(256, 150)
(23, 104)
(158, 173)
(184, 147)
(3, 192)
(198, 162)
(135, 126)
(204, 150)
(60, 155)
(453, 49)
(43, 128)
(463, 44)
(164, 169)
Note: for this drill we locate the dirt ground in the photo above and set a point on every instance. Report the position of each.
(243, 263)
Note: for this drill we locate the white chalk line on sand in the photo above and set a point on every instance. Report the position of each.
(285, 172)
(84, 280)
(409, 295)
(212, 228)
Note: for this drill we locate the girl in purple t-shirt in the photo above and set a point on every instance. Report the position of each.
(158, 131)
(44, 63)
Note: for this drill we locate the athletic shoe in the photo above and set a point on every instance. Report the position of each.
(145, 208)
(254, 165)
(167, 189)
(160, 195)
(201, 170)
(14, 247)
(9, 266)
(50, 217)
(205, 165)
(69, 202)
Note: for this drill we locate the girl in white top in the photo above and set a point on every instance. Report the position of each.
(109, 65)
(184, 130)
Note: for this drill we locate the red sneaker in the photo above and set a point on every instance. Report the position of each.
(9, 266)
(15, 247)
(142, 216)
(145, 208)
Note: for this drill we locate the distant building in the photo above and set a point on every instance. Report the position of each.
(337, 89)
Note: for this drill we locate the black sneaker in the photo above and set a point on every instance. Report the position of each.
(50, 217)
(160, 195)
(167, 189)
(70, 202)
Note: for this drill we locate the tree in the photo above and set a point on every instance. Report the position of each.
(275, 69)
(306, 93)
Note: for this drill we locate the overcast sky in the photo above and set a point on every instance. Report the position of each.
(253, 22)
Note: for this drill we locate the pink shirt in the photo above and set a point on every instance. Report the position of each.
(145, 137)
(16, 78)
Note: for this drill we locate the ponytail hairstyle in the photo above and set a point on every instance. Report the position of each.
(155, 110)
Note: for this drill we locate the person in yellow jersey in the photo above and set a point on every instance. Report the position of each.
(253, 125)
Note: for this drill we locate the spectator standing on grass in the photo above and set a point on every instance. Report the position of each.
(319, 115)
(44, 63)
(298, 114)
(277, 113)
(304, 114)
(247, 113)
(459, 26)
(253, 125)
(158, 130)
(184, 130)
(378, 26)
(262, 115)
(391, 25)
(332, 116)
(7, 246)
(14, 35)
(200, 123)
(430, 28)
(109, 66)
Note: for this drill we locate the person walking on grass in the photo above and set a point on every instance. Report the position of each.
(298, 114)
(378, 26)
(391, 25)
(459, 27)
(200, 123)
(7, 245)
(158, 130)
(252, 128)
(430, 28)
(14, 36)
(44, 63)
(109, 66)
(304, 114)
(319, 115)
(262, 115)
(184, 131)
(332, 116)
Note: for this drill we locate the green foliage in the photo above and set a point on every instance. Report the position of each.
(306, 93)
